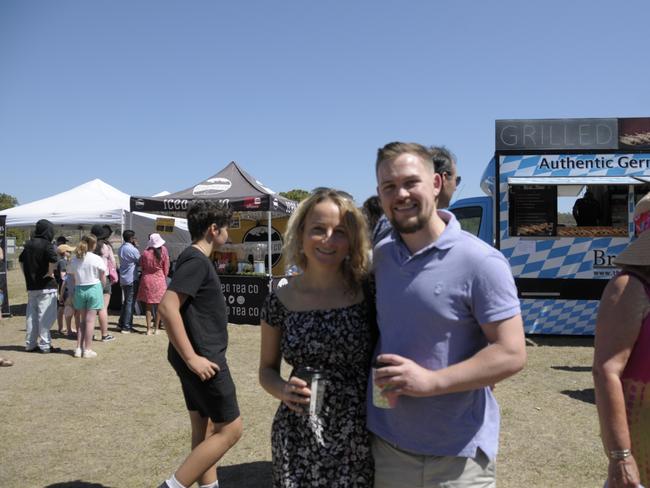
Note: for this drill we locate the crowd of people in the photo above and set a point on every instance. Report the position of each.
(397, 328)
(66, 283)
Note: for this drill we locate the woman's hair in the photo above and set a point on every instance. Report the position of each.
(157, 252)
(355, 266)
(372, 211)
(99, 246)
(86, 244)
(203, 213)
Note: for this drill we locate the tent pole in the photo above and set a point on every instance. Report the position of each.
(270, 251)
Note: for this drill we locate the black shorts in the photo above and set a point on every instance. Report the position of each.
(215, 398)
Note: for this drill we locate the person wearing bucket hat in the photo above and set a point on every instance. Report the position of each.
(105, 251)
(154, 263)
(621, 366)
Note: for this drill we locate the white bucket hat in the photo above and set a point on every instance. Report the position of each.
(155, 240)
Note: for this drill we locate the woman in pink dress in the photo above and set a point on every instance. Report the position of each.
(154, 264)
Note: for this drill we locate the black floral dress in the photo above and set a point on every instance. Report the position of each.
(331, 449)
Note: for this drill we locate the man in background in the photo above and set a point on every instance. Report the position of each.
(38, 261)
(129, 259)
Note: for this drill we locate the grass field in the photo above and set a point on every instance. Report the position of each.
(119, 420)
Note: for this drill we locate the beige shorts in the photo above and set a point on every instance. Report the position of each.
(395, 468)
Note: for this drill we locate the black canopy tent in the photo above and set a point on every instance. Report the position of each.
(231, 185)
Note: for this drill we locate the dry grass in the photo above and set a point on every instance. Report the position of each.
(120, 421)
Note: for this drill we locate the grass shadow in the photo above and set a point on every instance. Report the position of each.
(559, 341)
(573, 369)
(246, 475)
(587, 395)
(76, 484)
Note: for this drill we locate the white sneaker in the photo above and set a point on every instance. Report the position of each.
(77, 352)
(89, 353)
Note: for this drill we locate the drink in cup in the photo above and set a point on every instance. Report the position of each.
(387, 400)
(316, 380)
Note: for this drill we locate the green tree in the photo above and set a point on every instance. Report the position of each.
(9, 201)
(297, 195)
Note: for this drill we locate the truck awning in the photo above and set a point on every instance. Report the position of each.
(577, 180)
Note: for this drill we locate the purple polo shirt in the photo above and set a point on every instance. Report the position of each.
(429, 307)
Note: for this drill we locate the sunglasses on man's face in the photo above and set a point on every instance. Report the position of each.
(324, 189)
(447, 175)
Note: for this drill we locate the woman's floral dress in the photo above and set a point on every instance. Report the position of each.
(331, 449)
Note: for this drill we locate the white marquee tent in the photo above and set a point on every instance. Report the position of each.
(95, 202)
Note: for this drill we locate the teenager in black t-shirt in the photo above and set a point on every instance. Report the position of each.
(194, 312)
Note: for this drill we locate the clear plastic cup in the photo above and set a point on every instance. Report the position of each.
(316, 380)
(381, 397)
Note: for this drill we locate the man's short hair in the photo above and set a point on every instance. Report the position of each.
(128, 235)
(392, 150)
(443, 160)
(203, 213)
(61, 240)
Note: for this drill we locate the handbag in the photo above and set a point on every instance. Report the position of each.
(112, 272)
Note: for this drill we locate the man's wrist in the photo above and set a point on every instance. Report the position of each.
(619, 454)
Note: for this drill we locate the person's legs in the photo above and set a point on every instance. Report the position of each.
(59, 317)
(47, 309)
(156, 320)
(395, 468)
(147, 317)
(31, 320)
(460, 472)
(88, 327)
(68, 313)
(103, 316)
(126, 313)
(218, 438)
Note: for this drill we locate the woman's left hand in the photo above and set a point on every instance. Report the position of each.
(623, 473)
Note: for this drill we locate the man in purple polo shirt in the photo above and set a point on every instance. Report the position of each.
(450, 326)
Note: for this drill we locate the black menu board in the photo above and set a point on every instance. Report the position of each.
(533, 210)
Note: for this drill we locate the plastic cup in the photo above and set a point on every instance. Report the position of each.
(316, 380)
(379, 400)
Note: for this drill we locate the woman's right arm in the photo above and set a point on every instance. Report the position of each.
(617, 328)
(293, 393)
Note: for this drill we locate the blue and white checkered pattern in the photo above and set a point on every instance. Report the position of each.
(559, 257)
(567, 317)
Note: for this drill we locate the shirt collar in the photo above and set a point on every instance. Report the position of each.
(446, 240)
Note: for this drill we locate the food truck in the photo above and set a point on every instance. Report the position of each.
(560, 204)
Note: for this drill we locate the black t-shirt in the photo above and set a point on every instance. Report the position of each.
(204, 312)
(61, 267)
(36, 258)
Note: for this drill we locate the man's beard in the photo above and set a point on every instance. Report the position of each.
(410, 227)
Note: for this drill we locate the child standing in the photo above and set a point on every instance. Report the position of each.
(194, 311)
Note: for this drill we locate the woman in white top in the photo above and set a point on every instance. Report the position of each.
(89, 271)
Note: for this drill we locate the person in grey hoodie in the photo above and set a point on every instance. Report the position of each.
(38, 261)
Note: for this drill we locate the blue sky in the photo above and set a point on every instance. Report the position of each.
(158, 95)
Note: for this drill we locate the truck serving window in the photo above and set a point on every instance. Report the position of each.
(469, 218)
(569, 210)
(533, 210)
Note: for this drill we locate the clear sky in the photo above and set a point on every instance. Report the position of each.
(153, 95)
